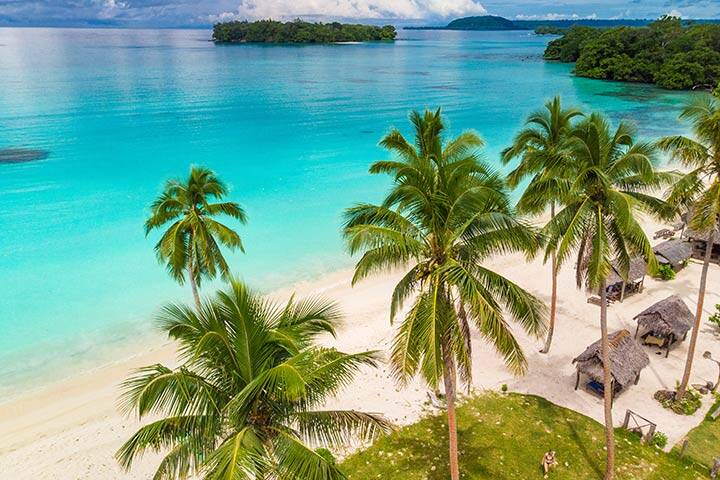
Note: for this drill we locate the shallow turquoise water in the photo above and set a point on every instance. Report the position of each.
(292, 129)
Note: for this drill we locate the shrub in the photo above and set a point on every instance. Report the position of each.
(504, 388)
(689, 404)
(659, 440)
(715, 317)
(665, 272)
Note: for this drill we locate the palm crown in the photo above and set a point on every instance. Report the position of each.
(246, 402)
(191, 244)
(445, 214)
(700, 186)
(615, 178)
(545, 149)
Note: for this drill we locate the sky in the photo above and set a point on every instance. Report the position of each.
(198, 13)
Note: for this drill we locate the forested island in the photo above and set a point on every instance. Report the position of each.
(541, 27)
(298, 31)
(667, 52)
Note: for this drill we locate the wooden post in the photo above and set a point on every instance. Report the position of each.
(684, 447)
(715, 469)
(637, 329)
(637, 379)
(651, 433)
(626, 422)
(622, 291)
(577, 382)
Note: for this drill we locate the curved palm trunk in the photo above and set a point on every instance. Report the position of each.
(449, 378)
(553, 299)
(607, 386)
(698, 317)
(193, 285)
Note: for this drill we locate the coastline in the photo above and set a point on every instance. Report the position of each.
(76, 428)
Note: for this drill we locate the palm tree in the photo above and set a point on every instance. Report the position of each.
(191, 244)
(614, 178)
(246, 401)
(699, 188)
(446, 213)
(544, 148)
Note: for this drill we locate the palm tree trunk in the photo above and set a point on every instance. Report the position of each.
(553, 298)
(193, 285)
(698, 317)
(449, 378)
(607, 386)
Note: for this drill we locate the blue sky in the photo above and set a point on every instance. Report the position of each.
(168, 13)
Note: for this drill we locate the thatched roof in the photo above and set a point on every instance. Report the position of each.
(694, 236)
(673, 252)
(667, 316)
(627, 359)
(637, 271)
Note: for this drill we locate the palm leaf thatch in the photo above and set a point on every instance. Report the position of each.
(627, 359)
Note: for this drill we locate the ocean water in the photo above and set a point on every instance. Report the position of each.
(292, 129)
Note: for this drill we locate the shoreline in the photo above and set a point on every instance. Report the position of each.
(75, 425)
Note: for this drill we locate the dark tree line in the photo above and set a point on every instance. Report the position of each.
(666, 52)
(270, 31)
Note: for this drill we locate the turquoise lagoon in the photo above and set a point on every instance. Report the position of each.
(292, 129)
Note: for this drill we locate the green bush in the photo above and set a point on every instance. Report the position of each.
(665, 272)
(688, 405)
(659, 440)
(504, 387)
(715, 317)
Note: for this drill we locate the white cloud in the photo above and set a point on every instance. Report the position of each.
(399, 9)
(109, 8)
(675, 13)
(557, 16)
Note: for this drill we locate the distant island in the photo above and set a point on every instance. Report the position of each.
(541, 27)
(667, 52)
(493, 22)
(298, 31)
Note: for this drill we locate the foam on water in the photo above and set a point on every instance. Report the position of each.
(292, 129)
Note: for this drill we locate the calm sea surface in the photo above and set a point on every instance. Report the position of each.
(292, 129)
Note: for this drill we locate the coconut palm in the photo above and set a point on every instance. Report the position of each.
(545, 153)
(190, 246)
(614, 179)
(699, 190)
(446, 214)
(247, 400)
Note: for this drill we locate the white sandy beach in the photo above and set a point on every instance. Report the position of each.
(70, 430)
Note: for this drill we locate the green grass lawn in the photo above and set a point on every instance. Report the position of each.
(503, 437)
(704, 441)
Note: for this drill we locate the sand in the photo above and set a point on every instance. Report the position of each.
(70, 430)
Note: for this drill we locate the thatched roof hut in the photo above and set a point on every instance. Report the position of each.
(627, 360)
(668, 320)
(674, 253)
(669, 316)
(699, 240)
(617, 285)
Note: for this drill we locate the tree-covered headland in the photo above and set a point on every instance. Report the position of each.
(667, 52)
(298, 31)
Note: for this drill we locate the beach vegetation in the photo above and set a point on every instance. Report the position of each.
(599, 221)
(688, 404)
(698, 191)
(545, 150)
(666, 52)
(190, 243)
(446, 213)
(714, 319)
(298, 31)
(247, 400)
(505, 436)
(665, 272)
